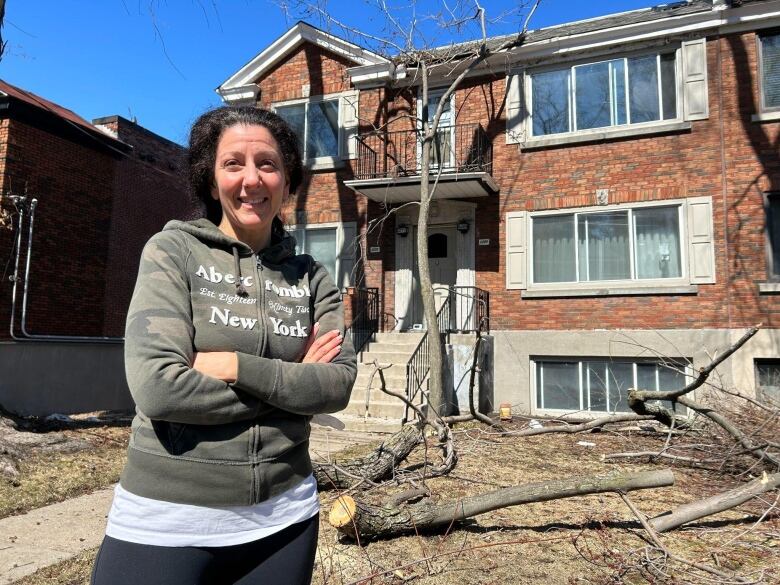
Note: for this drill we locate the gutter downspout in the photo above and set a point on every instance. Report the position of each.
(26, 336)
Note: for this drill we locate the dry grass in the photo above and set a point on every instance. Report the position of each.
(592, 539)
(93, 460)
(75, 571)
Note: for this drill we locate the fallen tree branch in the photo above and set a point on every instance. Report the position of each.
(651, 455)
(444, 432)
(704, 373)
(375, 467)
(715, 504)
(656, 539)
(586, 426)
(360, 520)
(758, 451)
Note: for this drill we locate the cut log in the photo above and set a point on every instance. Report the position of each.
(358, 519)
(715, 504)
(375, 467)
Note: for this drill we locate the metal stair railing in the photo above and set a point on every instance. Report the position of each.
(466, 309)
(419, 364)
(365, 317)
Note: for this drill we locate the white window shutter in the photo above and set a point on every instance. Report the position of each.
(516, 246)
(701, 243)
(348, 104)
(694, 71)
(348, 246)
(515, 132)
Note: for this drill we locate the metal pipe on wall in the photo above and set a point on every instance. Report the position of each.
(25, 335)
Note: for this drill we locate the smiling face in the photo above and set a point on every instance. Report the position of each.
(250, 183)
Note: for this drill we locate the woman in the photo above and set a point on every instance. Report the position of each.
(232, 343)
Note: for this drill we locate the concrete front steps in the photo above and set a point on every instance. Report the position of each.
(382, 411)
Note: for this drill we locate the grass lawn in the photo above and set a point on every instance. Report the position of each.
(592, 539)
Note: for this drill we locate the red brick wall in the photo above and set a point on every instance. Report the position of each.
(96, 209)
(324, 72)
(679, 165)
(73, 185)
(725, 154)
(149, 190)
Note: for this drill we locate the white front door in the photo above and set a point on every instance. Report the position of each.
(443, 267)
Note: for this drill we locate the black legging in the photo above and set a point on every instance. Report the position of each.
(286, 557)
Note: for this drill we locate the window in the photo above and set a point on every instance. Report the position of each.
(326, 127)
(320, 243)
(772, 207)
(602, 385)
(642, 243)
(332, 244)
(768, 381)
(770, 71)
(442, 151)
(617, 92)
(316, 123)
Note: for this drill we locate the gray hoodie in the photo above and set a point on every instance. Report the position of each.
(196, 439)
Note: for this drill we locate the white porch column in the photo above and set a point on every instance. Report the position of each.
(404, 262)
(464, 306)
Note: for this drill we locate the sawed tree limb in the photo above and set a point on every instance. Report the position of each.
(359, 519)
(717, 503)
(375, 467)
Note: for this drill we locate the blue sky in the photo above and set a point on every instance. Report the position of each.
(160, 60)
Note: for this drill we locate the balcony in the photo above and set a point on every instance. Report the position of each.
(388, 164)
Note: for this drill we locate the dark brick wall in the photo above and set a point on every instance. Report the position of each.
(97, 206)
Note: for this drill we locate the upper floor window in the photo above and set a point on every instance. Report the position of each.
(326, 127)
(317, 125)
(770, 71)
(617, 92)
(628, 244)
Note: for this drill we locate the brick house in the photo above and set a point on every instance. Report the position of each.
(613, 184)
(101, 190)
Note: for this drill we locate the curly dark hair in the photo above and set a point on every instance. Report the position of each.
(205, 135)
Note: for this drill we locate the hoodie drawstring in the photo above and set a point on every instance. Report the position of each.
(240, 290)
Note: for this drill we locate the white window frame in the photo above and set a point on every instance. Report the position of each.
(765, 113)
(616, 129)
(321, 162)
(438, 94)
(342, 229)
(584, 395)
(682, 280)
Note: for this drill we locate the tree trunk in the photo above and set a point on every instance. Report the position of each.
(436, 398)
(377, 466)
(718, 503)
(358, 519)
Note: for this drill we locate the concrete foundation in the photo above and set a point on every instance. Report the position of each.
(41, 378)
(515, 352)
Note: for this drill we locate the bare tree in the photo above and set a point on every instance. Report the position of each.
(2, 22)
(407, 43)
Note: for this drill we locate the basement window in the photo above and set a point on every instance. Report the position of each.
(602, 385)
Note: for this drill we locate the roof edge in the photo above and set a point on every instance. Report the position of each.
(281, 47)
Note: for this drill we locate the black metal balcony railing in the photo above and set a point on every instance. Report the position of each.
(461, 148)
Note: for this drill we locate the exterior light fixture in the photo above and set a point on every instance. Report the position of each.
(463, 226)
(402, 230)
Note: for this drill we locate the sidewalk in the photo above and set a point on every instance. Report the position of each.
(54, 533)
(51, 534)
